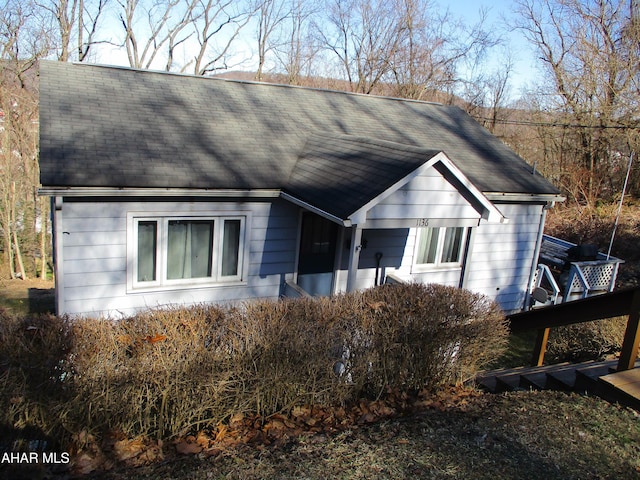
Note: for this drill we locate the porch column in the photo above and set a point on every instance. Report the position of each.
(354, 257)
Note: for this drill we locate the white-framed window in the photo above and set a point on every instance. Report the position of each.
(439, 246)
(169, 251)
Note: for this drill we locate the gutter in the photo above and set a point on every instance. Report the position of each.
(536, 253)
(524, 197)
(157, 192)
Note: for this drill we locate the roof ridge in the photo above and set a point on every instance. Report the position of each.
(248, 82)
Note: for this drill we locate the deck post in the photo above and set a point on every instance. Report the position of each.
(631, 341)
(540, 347)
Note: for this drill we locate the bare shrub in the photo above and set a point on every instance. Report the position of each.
(159, 373)
(31, 377)
(582, 224)
(290, 354)
(431, 335)
(167, 372)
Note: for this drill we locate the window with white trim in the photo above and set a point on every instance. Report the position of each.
(170, 251)
(440, 246)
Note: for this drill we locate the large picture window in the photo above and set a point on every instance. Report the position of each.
(184, 250)
(440, 246)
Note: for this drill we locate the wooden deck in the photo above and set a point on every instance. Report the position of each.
(623, 387)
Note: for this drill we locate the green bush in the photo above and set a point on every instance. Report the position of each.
(167, 372)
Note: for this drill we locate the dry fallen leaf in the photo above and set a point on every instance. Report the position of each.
(84, 464)
(236, 420)
(126, 449)
(203, 439)
(185, 448)
(156, 338)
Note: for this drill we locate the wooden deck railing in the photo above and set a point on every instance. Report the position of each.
(614, 304)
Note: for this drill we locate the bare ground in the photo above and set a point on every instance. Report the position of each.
(27, 296)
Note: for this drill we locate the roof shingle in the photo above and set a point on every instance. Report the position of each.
(116, 127)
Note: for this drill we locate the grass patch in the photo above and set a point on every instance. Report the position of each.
(519, 350)
(548, 435)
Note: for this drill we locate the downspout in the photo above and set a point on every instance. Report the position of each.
(58, 245)
(536, 253)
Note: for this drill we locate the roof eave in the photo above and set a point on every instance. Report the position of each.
(506, 197)
(156, 192)
(312, 208)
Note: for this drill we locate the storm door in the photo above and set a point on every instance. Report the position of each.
(317, 254)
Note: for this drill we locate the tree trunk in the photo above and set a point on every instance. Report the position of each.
(16, 243)
(7, 242)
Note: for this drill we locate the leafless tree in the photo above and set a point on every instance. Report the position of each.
(76, 21)
(364, 36)
(24, 37)
(296, 47)
(218, 25)
(589, 51)
(433, 48)
(152, 28)
(489, 94)
(23, 40)
(271, 14)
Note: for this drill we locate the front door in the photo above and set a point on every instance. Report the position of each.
(317, 254)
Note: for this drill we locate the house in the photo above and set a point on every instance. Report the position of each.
(175, 189)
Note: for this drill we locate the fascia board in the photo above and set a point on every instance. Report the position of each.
(311, 208)
(491, 214)
(524, 197)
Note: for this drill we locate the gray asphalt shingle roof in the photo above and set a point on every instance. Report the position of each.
(351, 169)
(116, 127)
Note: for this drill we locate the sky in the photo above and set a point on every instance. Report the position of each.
(499, 12)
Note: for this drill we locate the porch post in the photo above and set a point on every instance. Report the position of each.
(354, 257)
(629, 352)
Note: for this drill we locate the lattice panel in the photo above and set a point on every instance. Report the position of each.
(598, 276)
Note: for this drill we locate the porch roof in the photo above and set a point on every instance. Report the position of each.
(339, 174)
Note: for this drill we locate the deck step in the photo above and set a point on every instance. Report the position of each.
(598, 378)
(587, 375)
(505, 379)
(534, 381)
(562, 378)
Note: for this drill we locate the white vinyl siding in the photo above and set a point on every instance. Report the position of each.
(503, 255)
(427, 197)
(499, 265)
(98, 274)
